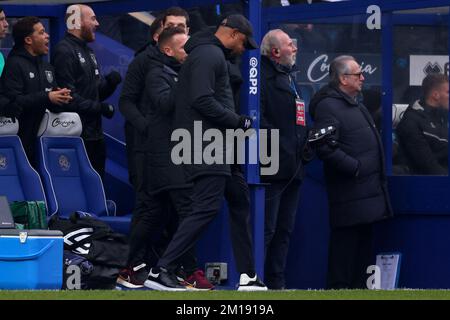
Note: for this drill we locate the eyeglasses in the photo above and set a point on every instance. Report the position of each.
(359, 74)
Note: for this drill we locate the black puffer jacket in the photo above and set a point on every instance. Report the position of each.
(27, 80)
(160, 95)
(77, 69)
(423, 137)
(204, 94)
(278, 111)
(353, 160)
(132, 103)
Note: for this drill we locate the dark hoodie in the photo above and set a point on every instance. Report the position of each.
(204, 94)
(131, 102)
(353, 159)
(27, 80)
(423, 137)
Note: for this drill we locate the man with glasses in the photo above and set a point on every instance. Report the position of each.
(282, 109)
(354, 171)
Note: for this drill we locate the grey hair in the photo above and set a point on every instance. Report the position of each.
(270, 41)
(338, 67)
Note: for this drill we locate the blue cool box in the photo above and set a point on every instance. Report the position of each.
(31, 259)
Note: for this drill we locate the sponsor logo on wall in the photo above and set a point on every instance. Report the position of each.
(314, 68)
(422, 65)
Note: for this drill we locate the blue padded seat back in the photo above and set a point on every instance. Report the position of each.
(10, 184)
(67, 183)
(18, 180)
(69, 178)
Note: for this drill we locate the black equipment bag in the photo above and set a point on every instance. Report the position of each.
(98, 243)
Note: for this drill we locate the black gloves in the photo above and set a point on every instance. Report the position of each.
(113, 78)
(107, 110)
(245, 122)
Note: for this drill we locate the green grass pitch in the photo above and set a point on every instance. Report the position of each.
(229, 295)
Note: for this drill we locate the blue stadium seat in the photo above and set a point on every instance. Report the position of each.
(18, 180)
(71, 183)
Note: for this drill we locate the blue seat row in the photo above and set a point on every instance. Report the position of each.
(69, 183)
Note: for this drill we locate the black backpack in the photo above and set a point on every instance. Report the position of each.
(96, 242)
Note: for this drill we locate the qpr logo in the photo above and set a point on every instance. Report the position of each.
(49, 76)
(3, 162)
(253, 76)
(64, 163)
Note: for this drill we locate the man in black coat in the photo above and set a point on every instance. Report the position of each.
(166, 186)
(354, 171)
(134, 104)
(204, 100)
(130, 102)
(28, 81)
(423, 130)
(77, 69)
(280, 100)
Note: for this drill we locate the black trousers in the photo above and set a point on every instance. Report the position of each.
(149, 226)
(237, 195)
(281, 208)
(207, 197)
(96, 151)
(350, 252)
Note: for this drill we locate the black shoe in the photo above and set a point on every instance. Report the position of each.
(251, 284)
(163, 280)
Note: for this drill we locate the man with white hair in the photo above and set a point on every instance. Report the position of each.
(283, 109)
(77, 69)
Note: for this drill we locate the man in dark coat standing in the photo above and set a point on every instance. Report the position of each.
(283, 109)
(204, 100)
(77, 69)
(354, 171)
(131, 98)
(134, 106)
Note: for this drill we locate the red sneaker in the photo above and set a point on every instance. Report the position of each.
(198, 281)
(133, 278)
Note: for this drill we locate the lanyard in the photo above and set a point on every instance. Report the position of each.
(292, 84)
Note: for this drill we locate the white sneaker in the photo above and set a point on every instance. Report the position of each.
(251, 284)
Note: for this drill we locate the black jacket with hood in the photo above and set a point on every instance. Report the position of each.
(77, 69)
(353, 160)
(26, 80)
(131, 102)
(423, 138)
(204, 94)
(159, 97)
